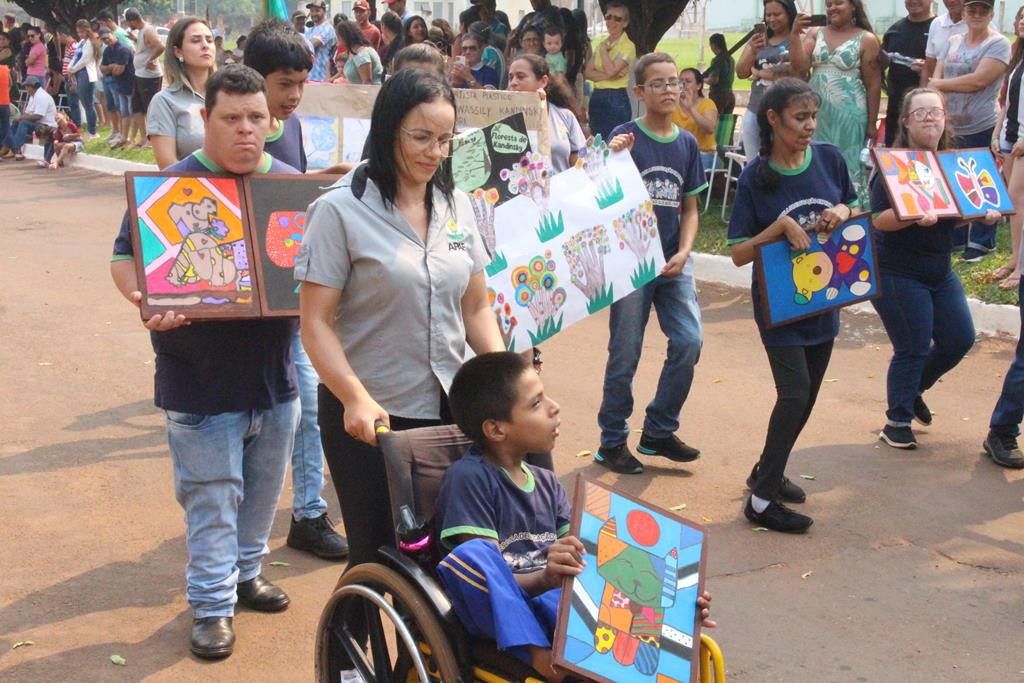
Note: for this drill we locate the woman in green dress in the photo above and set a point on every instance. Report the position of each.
(842, 58)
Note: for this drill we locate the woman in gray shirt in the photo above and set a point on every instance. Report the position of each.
(173, 122)
(393, 288)
(970, 74)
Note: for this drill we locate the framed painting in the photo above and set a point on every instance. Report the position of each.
(631, 616)
(837, 270)
(276, 204)
(192, 245)
(976, 182)
(915, 184)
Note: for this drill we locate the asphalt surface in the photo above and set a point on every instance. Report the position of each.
(912, 571)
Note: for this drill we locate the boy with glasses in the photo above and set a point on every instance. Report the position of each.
(669, 163)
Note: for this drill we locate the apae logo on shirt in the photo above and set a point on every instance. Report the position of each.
(456, 240)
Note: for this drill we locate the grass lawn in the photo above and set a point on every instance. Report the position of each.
(98, 146)
(975, 276)
(686, 51)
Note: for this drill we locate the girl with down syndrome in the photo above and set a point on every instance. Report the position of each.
(794, 187)
(923, 305)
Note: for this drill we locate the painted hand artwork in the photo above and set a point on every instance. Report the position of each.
(837, 270)
(976, 182)
(191, 245)
(593, 159)
(631, 615)
(503, 314)
(603, 250)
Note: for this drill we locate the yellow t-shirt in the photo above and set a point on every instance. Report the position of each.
(705, 141)
(624, 49)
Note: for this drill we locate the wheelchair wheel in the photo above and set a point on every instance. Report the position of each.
(419, 649)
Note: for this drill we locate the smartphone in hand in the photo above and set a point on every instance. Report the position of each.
(818, 20)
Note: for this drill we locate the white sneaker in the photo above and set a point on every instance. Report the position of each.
(110, 138)
(116, 138)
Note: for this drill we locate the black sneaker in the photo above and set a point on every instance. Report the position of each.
(898, 437)
(1003, 450)
(788, 492)
(618, 459)
(973, 255)
(778, 517)
(921, 412)
(317, 535)
(667, 447)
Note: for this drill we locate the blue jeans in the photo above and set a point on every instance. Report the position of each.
(74, 113)
(19, 134)
(110, 93)
(750, 134)
(675, 301)
(931, 330)
(975, 235)
(308, 453)
(1009, 410)
(228, 473)
(87, 96)
(124, 100)
(5, 122)
(609, 107)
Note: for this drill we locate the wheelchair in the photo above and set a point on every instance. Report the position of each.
(410, 625)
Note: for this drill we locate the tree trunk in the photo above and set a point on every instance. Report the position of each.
(649, 20)
(64, 12)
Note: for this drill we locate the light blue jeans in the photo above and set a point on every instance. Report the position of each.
(675, 301)
(308, 454)
(228, 473)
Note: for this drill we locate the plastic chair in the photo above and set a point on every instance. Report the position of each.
(723, 138)
(734, 158)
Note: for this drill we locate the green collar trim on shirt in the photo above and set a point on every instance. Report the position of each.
(657, 138)
(794, 171)
(201, 157)
(276, 135)
(530, 481)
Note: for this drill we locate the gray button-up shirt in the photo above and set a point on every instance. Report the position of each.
(174, 112)
(400, 315)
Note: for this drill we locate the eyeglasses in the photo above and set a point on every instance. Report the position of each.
(661, 86)
(470, 48)
(424, 141)
(614, 17)
(921, 113)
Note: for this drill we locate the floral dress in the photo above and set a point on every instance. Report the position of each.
(843, 116)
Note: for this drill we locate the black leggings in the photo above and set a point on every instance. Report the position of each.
(798, 372)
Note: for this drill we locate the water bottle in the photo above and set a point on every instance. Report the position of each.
(414, 538)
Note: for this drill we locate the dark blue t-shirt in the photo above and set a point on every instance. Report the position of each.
(119, 53)
(225, 366)
(285, 144)
(802, 193)
(915, 251)
(478, 498)
(672, 170)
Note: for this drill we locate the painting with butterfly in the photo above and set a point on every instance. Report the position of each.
(277, 204)
(975, 181)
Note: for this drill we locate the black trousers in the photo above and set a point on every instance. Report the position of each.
(798, 372)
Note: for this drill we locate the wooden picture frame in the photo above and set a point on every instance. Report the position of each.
(973, 188)
(674, 549)
(791, 290)
(192, 244)
(914, 183)
(281, 198)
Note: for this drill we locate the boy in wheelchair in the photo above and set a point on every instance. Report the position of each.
(505, 522)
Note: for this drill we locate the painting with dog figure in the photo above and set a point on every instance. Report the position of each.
(976, 182)
(277, 204)
(914, 181)
(838, 269)
(631, 616)
(192, 245)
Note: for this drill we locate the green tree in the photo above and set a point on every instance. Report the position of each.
(63, 12)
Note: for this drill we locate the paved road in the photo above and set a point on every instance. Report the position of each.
(912, 571)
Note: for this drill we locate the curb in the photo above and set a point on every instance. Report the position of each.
(94, 162)
(991, 320)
